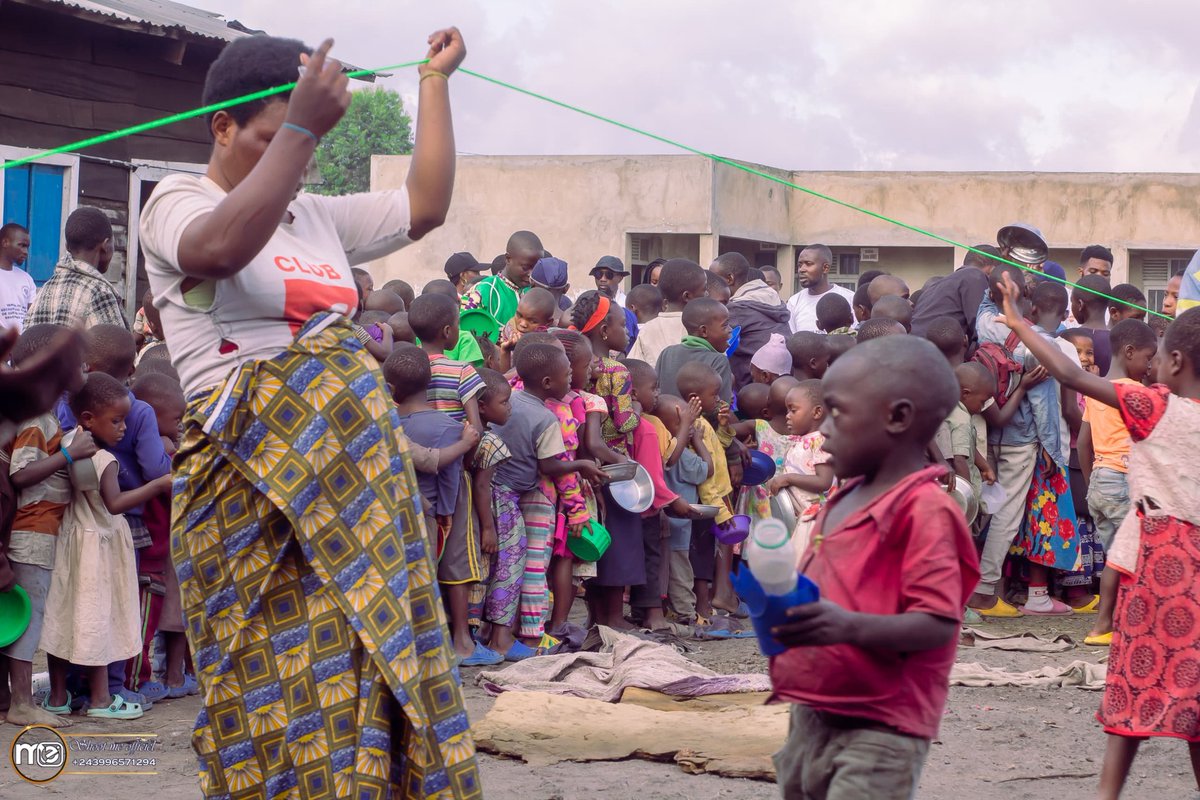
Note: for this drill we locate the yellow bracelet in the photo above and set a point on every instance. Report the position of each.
(432, 73)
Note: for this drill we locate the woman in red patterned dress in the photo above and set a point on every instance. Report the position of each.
(1153, 685)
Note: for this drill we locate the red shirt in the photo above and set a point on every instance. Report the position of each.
(908, 551)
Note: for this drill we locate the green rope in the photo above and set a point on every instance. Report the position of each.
(195, 112)
(251, 97)
(776, 179)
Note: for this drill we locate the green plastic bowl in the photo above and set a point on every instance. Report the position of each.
(480, 323)
(591, 543)
(15, 612)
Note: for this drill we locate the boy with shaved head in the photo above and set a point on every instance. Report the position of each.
(498, 294)
(869, 664)
(707, 324)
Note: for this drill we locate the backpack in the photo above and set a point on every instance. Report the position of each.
(1003, 365)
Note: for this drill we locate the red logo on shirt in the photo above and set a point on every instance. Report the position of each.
(292, 264)
(303, 298)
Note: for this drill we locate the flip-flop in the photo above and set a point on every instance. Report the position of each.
(1001, 610)
(1099, 640)
(120, 708)
(743, 611)
(62, 711)
(972, 617)
(482, 657)
(1091, 607)
(1057, 609)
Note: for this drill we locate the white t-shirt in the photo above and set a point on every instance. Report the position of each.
(16, 296)
(304, 268)
(803, 307)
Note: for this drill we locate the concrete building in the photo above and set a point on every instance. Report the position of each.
(646, 207)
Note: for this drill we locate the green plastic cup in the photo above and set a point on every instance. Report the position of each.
(15, 613)
(591, 543)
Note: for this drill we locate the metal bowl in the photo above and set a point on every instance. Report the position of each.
(1025, 243)
(783, 509)
(964, 495)
(636, 494)
(625, 471)
(705, 512)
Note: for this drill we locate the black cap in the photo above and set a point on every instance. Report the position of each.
(610, 263)
(459, 263)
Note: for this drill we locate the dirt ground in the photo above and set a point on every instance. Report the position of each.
(1016, 744)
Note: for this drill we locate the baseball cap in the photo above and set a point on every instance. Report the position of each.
(550, 272)
(459, 263)
(610, 263)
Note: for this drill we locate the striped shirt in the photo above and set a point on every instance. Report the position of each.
(452, 385)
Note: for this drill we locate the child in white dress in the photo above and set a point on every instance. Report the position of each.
(92, 606)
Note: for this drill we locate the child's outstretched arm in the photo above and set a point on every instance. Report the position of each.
(1048, 354)
(553, 468)
(82, 446)
(824, 623)
(118, 502)
(998, 417)
(816, 484)
(594, 441)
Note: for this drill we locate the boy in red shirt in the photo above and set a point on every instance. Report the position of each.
(869, 665)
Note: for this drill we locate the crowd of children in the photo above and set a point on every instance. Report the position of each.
(90, 535)
(871, 430)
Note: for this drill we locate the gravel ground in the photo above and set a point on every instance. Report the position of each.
(1016, 744)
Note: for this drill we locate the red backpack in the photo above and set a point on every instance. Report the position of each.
(1003, 365)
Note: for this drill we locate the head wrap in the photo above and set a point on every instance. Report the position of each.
(773, 357)
(598, 317)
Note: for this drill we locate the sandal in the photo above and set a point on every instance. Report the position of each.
(1057, 609)
(1002, 609)
(120, 708)
(482, 657)
(1099, 640)
(743, 611)
(519, 652)
(1091, 607)
(62, 711)
(154, 691)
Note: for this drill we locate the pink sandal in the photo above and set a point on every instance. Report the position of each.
(1057, 609)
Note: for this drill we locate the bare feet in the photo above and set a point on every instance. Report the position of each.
(32, 715)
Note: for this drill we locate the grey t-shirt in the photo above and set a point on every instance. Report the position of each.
(531, 433)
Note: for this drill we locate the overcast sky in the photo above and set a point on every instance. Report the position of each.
(857, 84)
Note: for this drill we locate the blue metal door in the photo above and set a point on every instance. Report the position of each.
(33, 196)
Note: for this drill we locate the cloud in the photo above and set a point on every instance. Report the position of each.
(858, 84)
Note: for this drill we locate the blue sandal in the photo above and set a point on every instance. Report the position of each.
(482, 657)
(519, 652)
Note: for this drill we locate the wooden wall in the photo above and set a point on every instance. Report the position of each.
(64, 79)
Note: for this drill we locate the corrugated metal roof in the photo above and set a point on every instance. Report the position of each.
(163, 15)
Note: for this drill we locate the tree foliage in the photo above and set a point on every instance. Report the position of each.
(375, 124)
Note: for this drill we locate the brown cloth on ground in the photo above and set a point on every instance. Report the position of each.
(736, 740)
(1026, 642)
(623, 661)
(1081, 674)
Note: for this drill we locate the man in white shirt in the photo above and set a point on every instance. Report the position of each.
(16, 286)
(812, 271)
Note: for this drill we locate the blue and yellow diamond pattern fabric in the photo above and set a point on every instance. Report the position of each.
(312, 608)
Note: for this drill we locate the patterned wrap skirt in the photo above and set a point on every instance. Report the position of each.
(310, 597)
